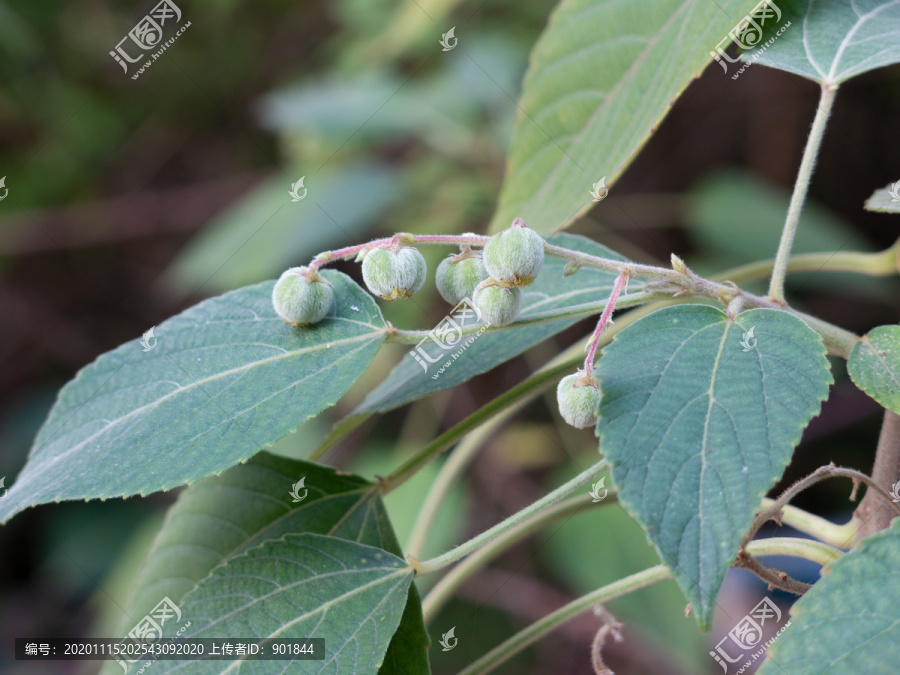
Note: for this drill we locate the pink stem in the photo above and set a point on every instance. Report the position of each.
(620, 285)
(353, 251)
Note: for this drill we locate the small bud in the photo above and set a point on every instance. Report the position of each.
(516, 255)
(570, 269)
(679, 266)
(458, 275)
(498, 304)
(394, 272)
(302, 296)
(579, 399)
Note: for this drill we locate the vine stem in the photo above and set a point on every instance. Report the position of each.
(528, 513)
(498, 655)
(452, 469)
(801, 187)
(619, 287)
(444, 589)
(816, 526)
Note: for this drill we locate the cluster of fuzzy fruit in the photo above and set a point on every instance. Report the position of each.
(492, 279)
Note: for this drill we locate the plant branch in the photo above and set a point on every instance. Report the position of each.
(816, 526)
(605, 318)
(873, 513)
(882, 264)
(801, 186)
(527, 514)
(531, 634)
(554, 620)
(445, 588)
(452, 469)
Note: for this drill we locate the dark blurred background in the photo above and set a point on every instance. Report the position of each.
(130, 200)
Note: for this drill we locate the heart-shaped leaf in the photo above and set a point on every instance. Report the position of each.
(699, 417)
(874, 365)
(409, 381)
(224, 516)
(601, 78)
(830, 41)
(849, 621)
(301, 586)
(885, 200)
(212, 387)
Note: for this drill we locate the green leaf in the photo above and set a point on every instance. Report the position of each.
(874, 365)
(849, 622)
(408, 381)
(225, 379)
(602, 77)
(698, 427)
(883, 200)
(830, 41)
(302, 586)
(224, 516)
(265, 232)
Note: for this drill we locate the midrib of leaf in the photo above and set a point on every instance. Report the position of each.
(703, 453)
(401, 572)
(846, 40)
(239, 662)
(212, 378)
(651, 42)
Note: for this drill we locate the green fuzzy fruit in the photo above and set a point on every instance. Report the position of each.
(516, 255)
(498, 305)
(579, 399)
(458, 275)
(393, 273)
(302, 296)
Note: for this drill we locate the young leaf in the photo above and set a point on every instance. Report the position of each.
(301, 586)
(408, 381)
(220, 381)
(222, 517)
(830, 41)
(602, 77)
(885, 200)
(699, 417)
(849, 622)
(874, 365)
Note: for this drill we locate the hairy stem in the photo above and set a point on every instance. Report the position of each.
(874, 513)
(554, 620)
(450, 472)
(605, 318)
(530, 512)
(445, 588)
(816, 526)
(881, 264)
(801, 186)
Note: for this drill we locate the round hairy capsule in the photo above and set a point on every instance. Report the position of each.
(393, 273)
(579, 398)
(498, 305)
(302, 296)
(516, 255)
(458, 275)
